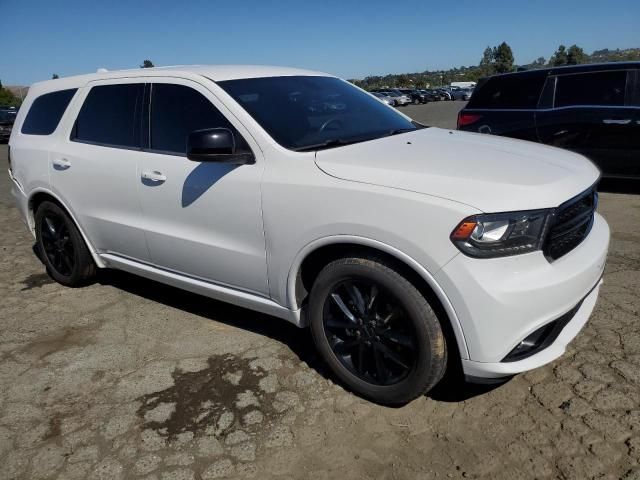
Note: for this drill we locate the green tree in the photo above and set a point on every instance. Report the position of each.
(147, 64)
(503, 57)
(55, 76)
(559, 57)
(576, 55)
(7, 98)
(487, 66)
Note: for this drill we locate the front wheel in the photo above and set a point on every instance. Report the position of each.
(376, 331)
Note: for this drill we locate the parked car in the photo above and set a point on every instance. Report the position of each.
(458, 93)
(384, 98)
(400, 98)
(365, 226)
(432, 95)
(7, 118)
(444, 92)
(416, 96)
(593, 110)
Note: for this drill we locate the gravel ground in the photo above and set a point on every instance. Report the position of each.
(131, 379)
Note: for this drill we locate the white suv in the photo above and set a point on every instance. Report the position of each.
(294, 193)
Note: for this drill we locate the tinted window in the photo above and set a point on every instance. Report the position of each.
(176, 111)
(597, 88)
(110, 116)
(307, 112)
(46, 111)
(508, 92)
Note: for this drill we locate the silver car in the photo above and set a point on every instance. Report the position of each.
(384, 98)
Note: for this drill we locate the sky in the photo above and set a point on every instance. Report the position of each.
(347, 38)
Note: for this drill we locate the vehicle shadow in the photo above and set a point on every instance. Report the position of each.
(298, 340)
(619, 185)
(452, 388)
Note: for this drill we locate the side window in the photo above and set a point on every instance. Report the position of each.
(597, 88)
(176, 111)
(508, 92)
(110, 116)
(46, 111)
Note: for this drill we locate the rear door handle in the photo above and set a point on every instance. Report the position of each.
(61, 163)
(154, 176)
(616, 121)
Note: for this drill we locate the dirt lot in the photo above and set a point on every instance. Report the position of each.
(131, 379)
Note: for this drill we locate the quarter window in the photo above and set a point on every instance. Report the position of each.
(519, 91)
(110, 116)
(176, 111)
(597, 88)
(46, 111)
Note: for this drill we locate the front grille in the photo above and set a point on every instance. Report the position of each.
(570, 224)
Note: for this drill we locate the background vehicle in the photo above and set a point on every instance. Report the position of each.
(384, 98)
(432, 95)
(279, 190)
(400, 98)
(7, 118)
(469, 85)
(590, 109)
(416, 96)
(458, 93)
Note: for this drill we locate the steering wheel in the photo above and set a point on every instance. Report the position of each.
(335, 120)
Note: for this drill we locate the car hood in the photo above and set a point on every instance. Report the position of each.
(490, 173)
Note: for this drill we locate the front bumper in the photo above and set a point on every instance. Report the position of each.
(499, 302)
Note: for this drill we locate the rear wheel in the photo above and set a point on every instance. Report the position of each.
(376, 331)
(62, 248)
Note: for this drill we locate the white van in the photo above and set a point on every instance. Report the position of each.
(404, 248)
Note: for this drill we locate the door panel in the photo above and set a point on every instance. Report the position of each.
(590, 117)
(99, 183)
(203, 219)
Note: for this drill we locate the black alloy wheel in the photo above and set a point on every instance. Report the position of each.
(375, 330)
(369, 332)
(61, 246)
(57, 244)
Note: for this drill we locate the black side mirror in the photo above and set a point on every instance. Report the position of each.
(216, 145)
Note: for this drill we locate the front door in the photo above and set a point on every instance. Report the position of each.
(201, 219)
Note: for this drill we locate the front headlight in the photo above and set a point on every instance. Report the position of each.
(501, 234)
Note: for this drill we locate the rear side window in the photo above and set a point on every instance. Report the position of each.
(596, 88)
(176, 111)
(508, 92)
(110, 116)
(46, 111)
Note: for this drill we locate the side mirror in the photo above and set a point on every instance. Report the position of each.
(216, 145)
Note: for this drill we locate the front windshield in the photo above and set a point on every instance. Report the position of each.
(307, 112)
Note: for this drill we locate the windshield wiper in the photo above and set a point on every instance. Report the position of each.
(333, 142)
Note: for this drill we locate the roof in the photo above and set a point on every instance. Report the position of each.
(584, 67)
(212, 72)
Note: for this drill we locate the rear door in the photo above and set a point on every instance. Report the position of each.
(93, 166)
(591, 114)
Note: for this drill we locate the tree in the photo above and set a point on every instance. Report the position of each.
(7, 98)
(486, 62)
(147, 64)
(559, 57)
(575, 55)
(54, 76)
(503, 57)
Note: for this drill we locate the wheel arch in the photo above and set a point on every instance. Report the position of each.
(40, 195)
(315, 255)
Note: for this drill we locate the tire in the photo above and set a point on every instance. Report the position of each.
(416, 101)
(62, 248)
(399, 329)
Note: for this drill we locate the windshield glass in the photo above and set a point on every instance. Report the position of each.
(306, 112)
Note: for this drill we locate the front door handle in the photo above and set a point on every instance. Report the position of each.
(616, 121)
(61, 163)
(154, 176)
